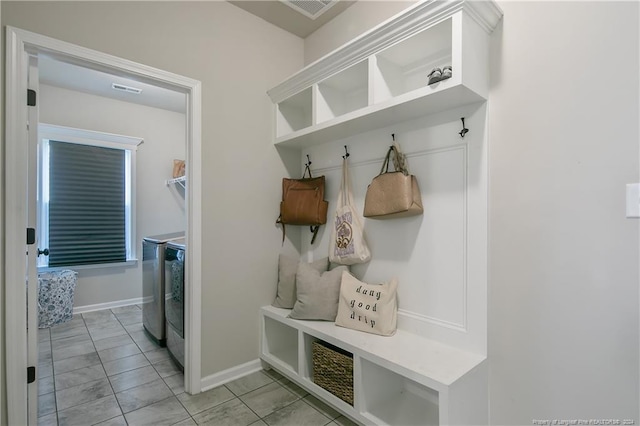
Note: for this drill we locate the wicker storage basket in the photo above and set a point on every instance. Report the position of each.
(333, 370)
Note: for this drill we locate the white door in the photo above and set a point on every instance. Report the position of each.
(21, 281)
(32, 249)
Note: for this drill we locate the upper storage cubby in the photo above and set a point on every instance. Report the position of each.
(342, 93)
(294, 113)
(381, 77)
(405, 66)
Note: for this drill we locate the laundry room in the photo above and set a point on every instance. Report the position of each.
(72, 98)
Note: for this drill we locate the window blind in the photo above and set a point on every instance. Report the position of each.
(86, 204)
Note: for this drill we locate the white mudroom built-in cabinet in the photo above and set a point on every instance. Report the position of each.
(362, 97)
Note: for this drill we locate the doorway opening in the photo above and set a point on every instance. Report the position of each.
(20, 173)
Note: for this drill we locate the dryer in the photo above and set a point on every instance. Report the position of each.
(153, 287)
(174, 303)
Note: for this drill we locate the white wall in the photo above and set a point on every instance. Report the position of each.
(237, 57)
(439, 257)
(563, 269)
(159, 209)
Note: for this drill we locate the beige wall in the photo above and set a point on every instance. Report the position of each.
(237, 57)
(563, 142)
(159, 209)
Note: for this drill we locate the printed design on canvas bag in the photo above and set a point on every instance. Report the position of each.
(344, 235)
(347, 245)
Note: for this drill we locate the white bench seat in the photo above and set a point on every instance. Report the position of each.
(431, 382)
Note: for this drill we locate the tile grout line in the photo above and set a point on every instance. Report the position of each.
(189, 415)
(105, 370)
(54, 369)
(53, 375)
(260, 387)
(245, 404)
(300, 398)
(150, 365)
(114, 393)
(142, 352)
(309, 404)
(101, 365)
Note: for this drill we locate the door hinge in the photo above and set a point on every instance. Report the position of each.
(31, 374)
(31, 97)
(31, 236)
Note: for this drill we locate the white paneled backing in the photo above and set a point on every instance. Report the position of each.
(439, 257)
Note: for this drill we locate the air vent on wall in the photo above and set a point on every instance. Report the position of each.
(310, 8)
(128, 89)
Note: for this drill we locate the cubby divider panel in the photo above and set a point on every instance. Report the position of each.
(392, 399)
(281, 343)
(306, 370)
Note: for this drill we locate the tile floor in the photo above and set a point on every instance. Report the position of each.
(101, 368)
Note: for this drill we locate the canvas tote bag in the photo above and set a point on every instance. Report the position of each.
(347, 245)
(372, 308)
(393, 194)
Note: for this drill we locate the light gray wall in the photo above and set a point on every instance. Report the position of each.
(3, 381)
(238, 57)
(563, 142)
(159, 209)
(563, 284)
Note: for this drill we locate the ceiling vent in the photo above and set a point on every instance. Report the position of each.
(310, 8)
(128, 89)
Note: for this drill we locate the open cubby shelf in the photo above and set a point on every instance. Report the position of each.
(282, 345)
(401, 379)
(381, 77)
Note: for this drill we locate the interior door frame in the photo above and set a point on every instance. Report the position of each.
(15, 221)
(33, 83)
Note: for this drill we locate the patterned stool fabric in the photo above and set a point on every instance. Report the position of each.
(55, 297)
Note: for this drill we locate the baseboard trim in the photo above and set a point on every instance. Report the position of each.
(108, 305)
(230, 374)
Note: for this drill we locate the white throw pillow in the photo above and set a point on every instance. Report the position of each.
(372, 308)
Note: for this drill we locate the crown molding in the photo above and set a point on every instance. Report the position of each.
(408, 22)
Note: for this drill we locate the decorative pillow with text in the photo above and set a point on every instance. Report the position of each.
(367, 307)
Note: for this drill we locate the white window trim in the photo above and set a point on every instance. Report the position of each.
(130, 144)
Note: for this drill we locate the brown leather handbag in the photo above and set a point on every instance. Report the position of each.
(303, 203)
(393, 194)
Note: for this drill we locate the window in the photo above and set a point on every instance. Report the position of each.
(85, 197)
